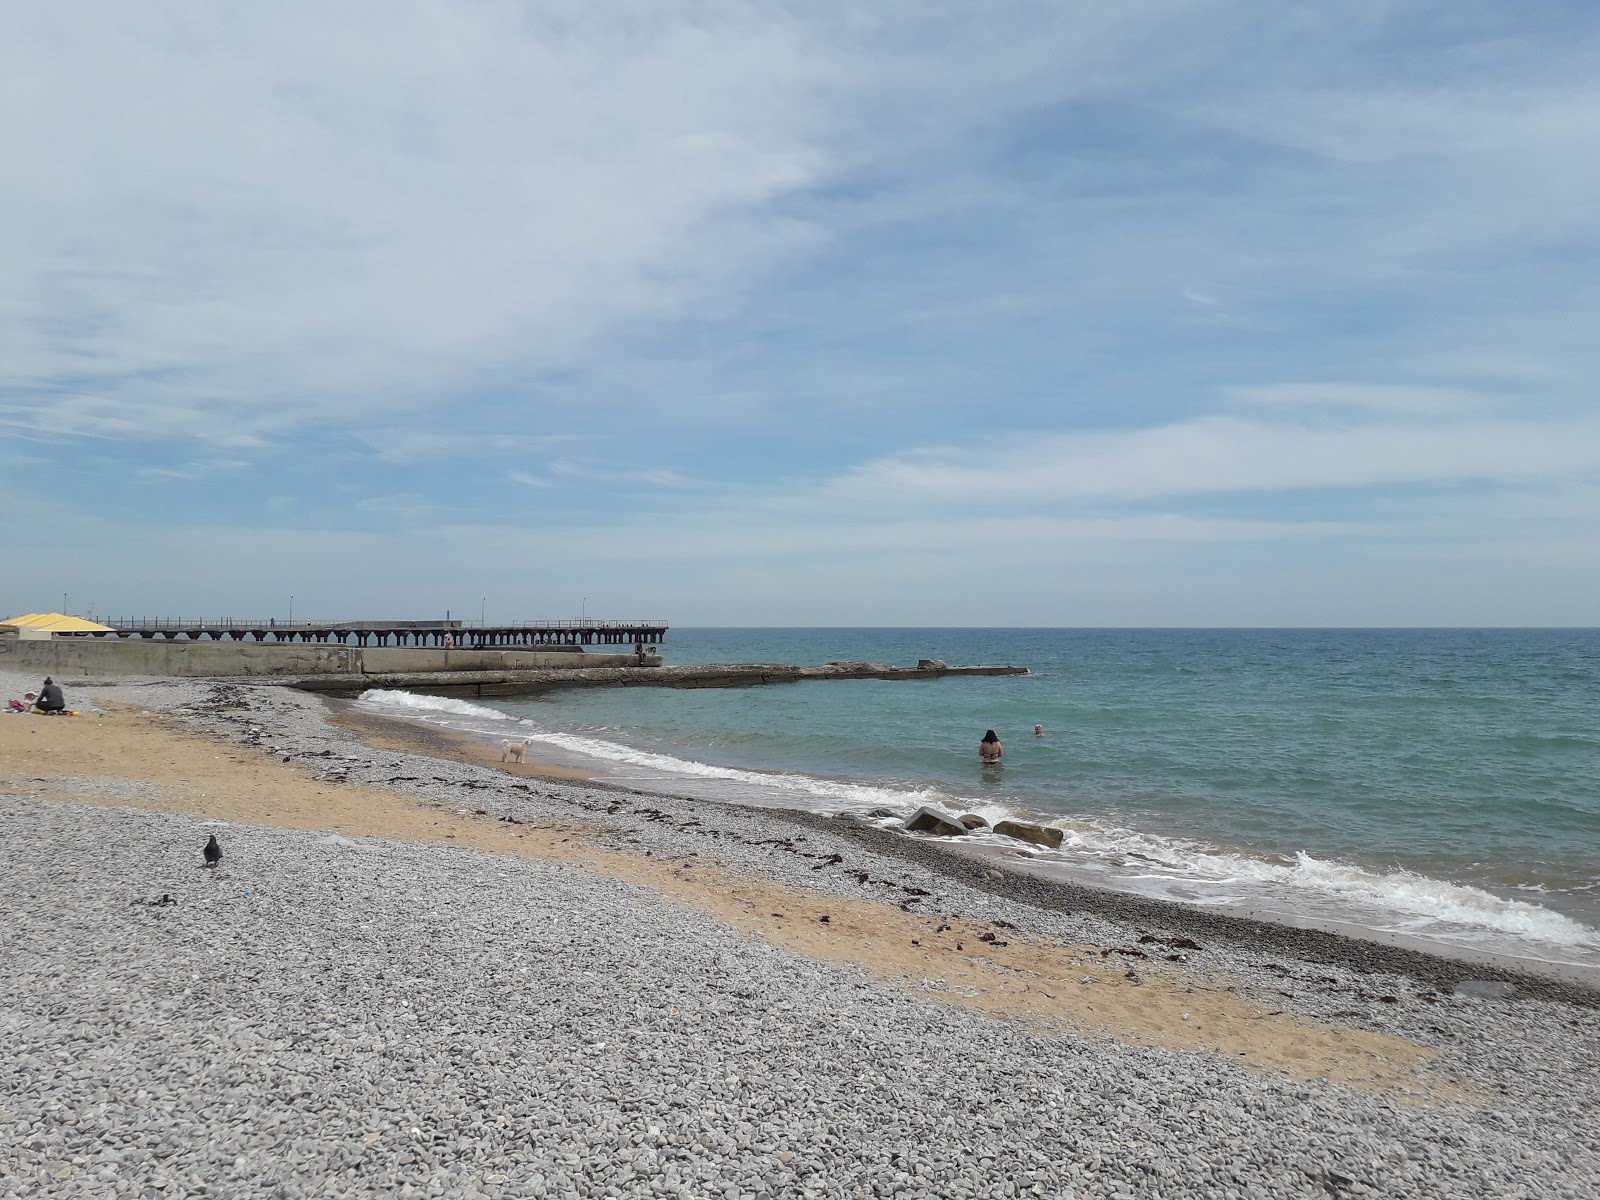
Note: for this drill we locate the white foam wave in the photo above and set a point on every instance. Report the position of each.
(414, 704)
(1439, 900)
(1419, 899)
(1204, 874)
(834, 791)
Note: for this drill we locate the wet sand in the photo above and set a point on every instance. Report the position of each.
(419, 737)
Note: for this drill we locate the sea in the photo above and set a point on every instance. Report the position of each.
(1433, 787)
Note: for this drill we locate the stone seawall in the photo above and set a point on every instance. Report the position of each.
(522, 682)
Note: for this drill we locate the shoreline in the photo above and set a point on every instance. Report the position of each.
(825, 918)
(1353, 946)
(978, 867)
(419, 737)
(442, 976)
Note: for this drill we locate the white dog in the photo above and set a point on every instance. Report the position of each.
(514, 750)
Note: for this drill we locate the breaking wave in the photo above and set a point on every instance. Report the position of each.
(1399, 901)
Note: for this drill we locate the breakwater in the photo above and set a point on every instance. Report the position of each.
(515, 681)
(339, 670)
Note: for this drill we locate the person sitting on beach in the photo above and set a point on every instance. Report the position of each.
(989, 750)
(50, 701)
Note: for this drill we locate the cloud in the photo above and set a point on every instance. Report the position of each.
(527, 480)
(623, 476)
(271, 218)
(195, 470)
(1219, 454)
(406, 446)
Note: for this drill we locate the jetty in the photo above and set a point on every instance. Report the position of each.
(516, 682)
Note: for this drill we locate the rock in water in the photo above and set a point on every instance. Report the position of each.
(931, 664)
(931, 820)
(213, 852)
(974, 821)
(1039, 835)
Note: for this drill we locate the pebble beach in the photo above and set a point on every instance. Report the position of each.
(417, 972)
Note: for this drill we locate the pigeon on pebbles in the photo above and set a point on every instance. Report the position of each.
(213, 852)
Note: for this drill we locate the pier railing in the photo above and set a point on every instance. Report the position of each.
(446, 634)
(286, 622)
(591, 623)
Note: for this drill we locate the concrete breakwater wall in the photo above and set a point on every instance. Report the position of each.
(349, 670)
(70, 658)
(523, 682)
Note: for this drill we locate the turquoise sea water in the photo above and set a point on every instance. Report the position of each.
(1439, 784)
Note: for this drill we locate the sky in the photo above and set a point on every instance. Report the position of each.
(1177, 313)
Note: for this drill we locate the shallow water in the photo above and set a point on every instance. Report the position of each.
(1433, 783)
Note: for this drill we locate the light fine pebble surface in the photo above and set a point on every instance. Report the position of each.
(332, 1016)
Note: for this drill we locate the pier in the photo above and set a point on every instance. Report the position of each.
(435, 634)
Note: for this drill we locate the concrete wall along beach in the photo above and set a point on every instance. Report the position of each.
(80, 657)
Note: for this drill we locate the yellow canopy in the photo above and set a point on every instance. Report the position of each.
(56, 623)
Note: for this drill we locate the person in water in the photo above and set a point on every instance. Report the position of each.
(989, 750)
(50, 700)
(1038, 731)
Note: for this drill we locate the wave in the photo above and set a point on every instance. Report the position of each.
(1418, 899)
(836, 791)
(385, 698)
(1203, 873)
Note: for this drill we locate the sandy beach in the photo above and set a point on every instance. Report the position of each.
(487, 979)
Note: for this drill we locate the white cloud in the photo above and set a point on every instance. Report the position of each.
(1225, 454)
(408, 507)
(527, 480)
(195, 470)
(406, 446)
(237, 222)
(624, 476)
